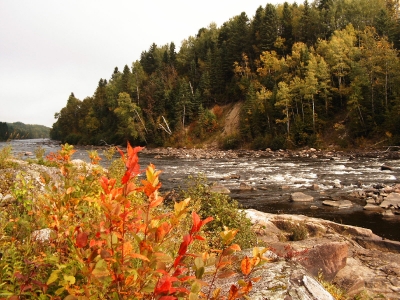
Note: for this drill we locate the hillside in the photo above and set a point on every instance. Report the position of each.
(19, 130)
(304, 77)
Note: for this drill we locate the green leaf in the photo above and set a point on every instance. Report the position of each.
(195, 288)
(70, 279)
(53, 277)
(100, 270)
(193, 296)
(199, 272)
(60, 291)
(199, 263)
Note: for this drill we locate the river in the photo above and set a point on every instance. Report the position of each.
(273, 179)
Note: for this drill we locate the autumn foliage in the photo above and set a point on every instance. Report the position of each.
(114, 239)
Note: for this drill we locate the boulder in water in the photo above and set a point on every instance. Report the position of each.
(219, 188)
(338, 204)
(392, 199)
(386, 168)
(301, 197)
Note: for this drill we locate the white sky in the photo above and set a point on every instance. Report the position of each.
(50, 48)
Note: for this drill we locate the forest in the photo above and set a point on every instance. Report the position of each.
(19, 130)
(309, 74)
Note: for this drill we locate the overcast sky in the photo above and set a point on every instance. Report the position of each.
(50, 48)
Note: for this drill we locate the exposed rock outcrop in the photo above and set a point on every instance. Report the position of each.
(352, 257)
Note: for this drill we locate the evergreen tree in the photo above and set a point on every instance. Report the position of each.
(269, 30)
(287, 27)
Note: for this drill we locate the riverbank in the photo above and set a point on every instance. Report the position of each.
(360, 262)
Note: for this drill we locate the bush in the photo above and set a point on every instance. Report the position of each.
(226, 213)
(278, 142)
(260, 143)
(5, 155)
(296, 231)
(230, 142)
(113, 241)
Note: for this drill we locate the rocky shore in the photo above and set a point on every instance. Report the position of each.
(360, 262)
(209, 153)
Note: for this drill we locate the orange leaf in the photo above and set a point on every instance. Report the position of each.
(246, 265)
(235, 247)
(246, 289)
(226, 274)
(162, 230)
(256, 279)
(156, 202)
(129, 279)
(139, 256)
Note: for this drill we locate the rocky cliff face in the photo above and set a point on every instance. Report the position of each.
(354, 258)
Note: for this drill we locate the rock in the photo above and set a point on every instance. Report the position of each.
(300, 197)
(388, 213)
(219, 188)
(279, 280)
(379, 186)
(358, 194)
(337, 184)
(372, 264)
(377, 243)
(315, 187)
(392, 200)
(245, 187)
(42, 235)
(384, 167)
(7, 200)
(326, 258)
(373, 272)
(338, 204)
(372, 207)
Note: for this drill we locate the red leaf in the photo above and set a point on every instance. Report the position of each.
(196, 222)
(179, 271)
(132, 163)
(233, 292)
(177, 260)
(187, 239)
(205, 221)
(164, 284)
(199, 237)
(133, 160)
(81, 239)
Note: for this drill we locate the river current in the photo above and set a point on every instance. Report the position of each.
(273, 179)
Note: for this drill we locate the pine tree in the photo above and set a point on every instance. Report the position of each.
(269, 31)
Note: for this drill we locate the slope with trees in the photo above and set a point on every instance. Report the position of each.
(304, 73)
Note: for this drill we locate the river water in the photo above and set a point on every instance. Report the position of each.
(273, 179)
